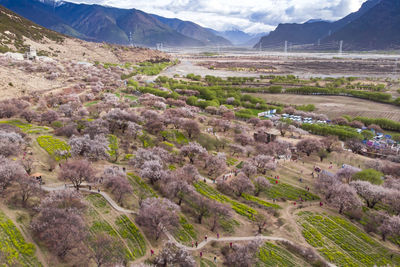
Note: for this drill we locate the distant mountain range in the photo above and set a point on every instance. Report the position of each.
(376, 25)
(240, 38)
(113, 25)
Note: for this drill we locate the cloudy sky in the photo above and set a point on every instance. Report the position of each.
(252, 16)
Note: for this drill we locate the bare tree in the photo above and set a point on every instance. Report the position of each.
(261, 222)
(77, 172)
(157, 215)
(27, 163)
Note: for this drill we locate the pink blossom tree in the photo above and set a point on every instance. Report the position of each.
(171, 255)
(192, 151)
(77, 172)
(157, 215)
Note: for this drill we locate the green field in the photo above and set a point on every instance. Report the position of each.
(272, 255)
(211, 193)
(342, 243)
(26, 127)
(288, 192)
(52, 145)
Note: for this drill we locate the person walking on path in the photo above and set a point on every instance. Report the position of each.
(205, 238)
(215, 259)
(197, 244)
(152, 252)
(201, 254)
(230, 244)
(218, 235)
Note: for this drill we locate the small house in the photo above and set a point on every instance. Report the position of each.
(266, 136)
(31, 54)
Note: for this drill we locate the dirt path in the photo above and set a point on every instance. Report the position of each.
(169, 235)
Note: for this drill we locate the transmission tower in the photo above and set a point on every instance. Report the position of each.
(341, 47)
(286, 46)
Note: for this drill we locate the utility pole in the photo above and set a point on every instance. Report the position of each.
(341, 47)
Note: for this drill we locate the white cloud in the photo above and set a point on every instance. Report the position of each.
(247, 15)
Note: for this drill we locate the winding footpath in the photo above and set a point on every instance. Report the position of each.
(201, 245)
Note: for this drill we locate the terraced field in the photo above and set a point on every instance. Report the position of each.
(103, 220)
(14, 250)
(342, 243)
(273, 255)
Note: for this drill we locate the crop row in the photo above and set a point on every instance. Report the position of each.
(343, 243)
(262, 203)
(142, 185)
(211, 193)
(113, 146)
(272, 255)
(13, 248)
(129, 230)
(186, 232)
(286, 191)
(53, 145)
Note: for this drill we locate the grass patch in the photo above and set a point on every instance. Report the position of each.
(26, 127)
(88, 104)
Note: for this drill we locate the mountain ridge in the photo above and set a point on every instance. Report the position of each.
(321, 32)
(110, 24)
